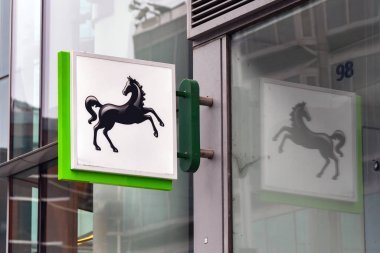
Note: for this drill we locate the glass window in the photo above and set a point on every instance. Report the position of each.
(148, 30)
(124, 219)
(3, 213)
(48, 215)
(65, 205)
(4, 33)
(4, 116)
(138, 220)
(23, 201)
(4, 78)
(330, 52)
(25, 77)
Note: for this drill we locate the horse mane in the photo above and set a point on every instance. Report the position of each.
(140, 87)
(294, 109)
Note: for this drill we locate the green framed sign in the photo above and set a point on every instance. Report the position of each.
(115, 154)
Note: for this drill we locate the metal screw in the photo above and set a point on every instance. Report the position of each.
(375, 165)
(205, 240)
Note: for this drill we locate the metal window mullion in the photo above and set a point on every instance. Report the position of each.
(226, 143)
(10, 212)
(42, 208)
(10, 112)
(42, 79)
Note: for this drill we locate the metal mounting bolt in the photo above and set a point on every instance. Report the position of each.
(375, 165)
(207, 153)
(206, 101)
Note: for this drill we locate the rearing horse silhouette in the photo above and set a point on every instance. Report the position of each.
(132, 112)
(300, 134)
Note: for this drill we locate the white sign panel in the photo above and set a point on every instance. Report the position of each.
(308, 140)
(123, 116)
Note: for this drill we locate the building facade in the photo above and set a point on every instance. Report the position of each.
(293, 127)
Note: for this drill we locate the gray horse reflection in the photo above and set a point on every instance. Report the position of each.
(301, 135)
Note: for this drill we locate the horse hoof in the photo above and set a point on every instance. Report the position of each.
(97, 148)
(155, 134)
(335, 178)
(89, 121)
(274, 139)
(115, 150)
(319, 175)
(280, 150)
(162, 124)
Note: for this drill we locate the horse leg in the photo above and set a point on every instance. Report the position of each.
(280, 149)
(283, 129)
(335, 177)
(96, 128)
(147, 109)
(324, 167)
(148, 117)
(105, 132)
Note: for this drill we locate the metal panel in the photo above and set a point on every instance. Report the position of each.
(202, 11)
(233, 19)
(208, 180)
(226, 144)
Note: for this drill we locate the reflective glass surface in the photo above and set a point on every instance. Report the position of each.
(23, 201)
(4, 33)
(138, 220)
(4, 116)
(287, 189)
(66, 214)
(4, 78)
(25, 77)
(3, 213)
(47, 215)
(148, 30)
(110, 218)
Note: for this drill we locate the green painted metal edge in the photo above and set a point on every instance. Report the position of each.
(335, 205)
(189, 133)
(64, 155)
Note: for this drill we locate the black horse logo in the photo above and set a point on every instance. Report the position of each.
(130, 113)
(300, 134)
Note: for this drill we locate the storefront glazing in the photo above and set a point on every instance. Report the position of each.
(331, 44)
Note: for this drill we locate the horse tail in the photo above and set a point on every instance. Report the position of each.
(90, 102)
(341, 137)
